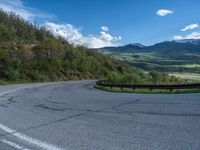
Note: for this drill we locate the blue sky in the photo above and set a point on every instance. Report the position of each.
(97, 23)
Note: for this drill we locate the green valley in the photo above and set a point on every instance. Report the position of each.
(160, 57)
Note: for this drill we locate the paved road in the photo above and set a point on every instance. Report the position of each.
(75, 116)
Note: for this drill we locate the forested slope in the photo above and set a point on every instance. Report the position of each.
(32, 53)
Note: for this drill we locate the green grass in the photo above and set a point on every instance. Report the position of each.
(2, 82)
(6, 82)
(193, 76)
(186, 74)
(147, 91)
(187, 66)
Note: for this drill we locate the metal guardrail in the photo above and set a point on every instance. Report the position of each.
(150, 87)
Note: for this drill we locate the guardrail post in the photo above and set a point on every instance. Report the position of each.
(133, 87)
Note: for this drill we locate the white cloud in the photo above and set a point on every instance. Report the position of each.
(18, 7)
(193, 35)
(73, 35)
(68, 31)
(164, 12)
(96, 42)
(107, 37)
(104, 28)
(190, 27)
(178, 37)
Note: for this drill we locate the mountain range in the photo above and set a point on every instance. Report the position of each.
(176, 45)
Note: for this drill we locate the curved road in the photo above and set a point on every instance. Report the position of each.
(75, 116)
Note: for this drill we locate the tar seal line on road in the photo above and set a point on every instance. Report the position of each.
(12, 144)
(35, 142)
(30, 140)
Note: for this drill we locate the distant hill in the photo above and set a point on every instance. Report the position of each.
(127, 48)
(170, 56)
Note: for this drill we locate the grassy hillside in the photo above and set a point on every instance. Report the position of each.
(31, 53)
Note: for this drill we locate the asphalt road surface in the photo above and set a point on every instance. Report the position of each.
(75, 116)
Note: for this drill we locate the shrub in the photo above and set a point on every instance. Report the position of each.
(12, 75)
(36, 76)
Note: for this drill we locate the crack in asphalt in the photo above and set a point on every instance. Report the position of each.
(88, 86)
(167, 114)
(49, 123)
(77, 115)
(64, 119)
(155, 113)
(54, 102)
(55, 108)
(9, 101)
(42, 125)
(131, 113)
(116, 109)
(49, 108)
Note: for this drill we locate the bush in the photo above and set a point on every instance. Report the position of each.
(127, 78)
(36, 76)
(13, 75)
